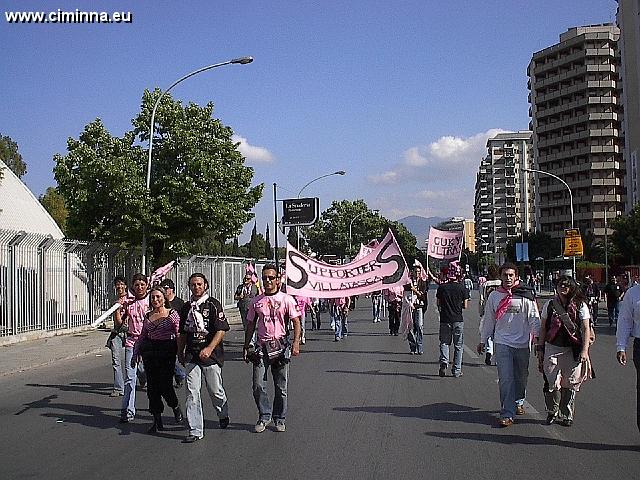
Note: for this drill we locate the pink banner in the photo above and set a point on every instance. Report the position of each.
(444, 245)
(384, 267)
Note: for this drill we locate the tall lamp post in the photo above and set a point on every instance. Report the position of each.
(375, 212)
(239, 61)
(339, 172)
(570, 202)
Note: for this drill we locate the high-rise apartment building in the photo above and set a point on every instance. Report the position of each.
(576, 118)
(628, 20)
(504, 197)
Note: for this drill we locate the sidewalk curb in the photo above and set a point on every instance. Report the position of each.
(94, 351)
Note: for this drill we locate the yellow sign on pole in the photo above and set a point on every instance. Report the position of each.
(573, 243)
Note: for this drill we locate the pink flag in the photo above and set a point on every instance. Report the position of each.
(384, 267)
(158, 275)
(444, 245)
(250, 269)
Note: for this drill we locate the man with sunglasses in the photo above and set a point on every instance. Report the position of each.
(269, 315)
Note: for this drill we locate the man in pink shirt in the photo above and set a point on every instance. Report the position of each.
(134, 319)
(269, 315)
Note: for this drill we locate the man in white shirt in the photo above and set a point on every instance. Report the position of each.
(511, 317)
(629, 326)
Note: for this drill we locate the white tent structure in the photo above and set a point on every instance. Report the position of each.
(20, 210)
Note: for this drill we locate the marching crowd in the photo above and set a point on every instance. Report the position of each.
(158, 338)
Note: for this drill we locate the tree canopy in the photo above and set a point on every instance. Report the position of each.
(330, 235)
(11, 157)
(53, 203)
(200, 186)
(626, 236)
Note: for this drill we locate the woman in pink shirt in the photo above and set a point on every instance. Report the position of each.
(158, 347)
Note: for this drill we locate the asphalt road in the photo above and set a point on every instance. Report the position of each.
(360, 408)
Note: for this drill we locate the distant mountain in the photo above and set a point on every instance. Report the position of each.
(419, 226)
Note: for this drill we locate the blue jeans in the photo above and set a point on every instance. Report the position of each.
(636, 364)
(178, 372)
(213, 379)
(280, 375)
(415, 335)
(513, 371)
(342, 325)
(117, 357)
(131, 375)
(376, 301)
(613, 310)
(451, 333)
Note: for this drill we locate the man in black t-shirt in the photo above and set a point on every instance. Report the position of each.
(176, 304)
(200, 349)
(452, 298)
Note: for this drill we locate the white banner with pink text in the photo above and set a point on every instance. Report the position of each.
(383, 267)
(444, 245)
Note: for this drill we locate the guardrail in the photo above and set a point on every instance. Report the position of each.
(49, 285)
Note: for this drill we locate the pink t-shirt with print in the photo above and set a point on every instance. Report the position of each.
(270, 312)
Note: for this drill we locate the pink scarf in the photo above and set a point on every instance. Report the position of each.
(505, 303)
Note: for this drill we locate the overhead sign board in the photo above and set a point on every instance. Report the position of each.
(573, 243)
(300, 211)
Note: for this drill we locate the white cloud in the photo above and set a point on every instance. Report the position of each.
(385, 178)
(448, 147)
(435, 179)
(450, 151)
(251, 152)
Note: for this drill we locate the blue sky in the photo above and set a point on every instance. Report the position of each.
(400, 94)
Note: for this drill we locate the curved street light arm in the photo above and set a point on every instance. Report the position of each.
(570, 200)
(339, 172)
(239, 61)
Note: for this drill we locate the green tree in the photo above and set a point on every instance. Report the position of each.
(626, 236)
(540, 245)
(53, 203)
(292, 237)
(200, 186)
(11, 157)
(268, 249)
(256, 244)
(330, 235)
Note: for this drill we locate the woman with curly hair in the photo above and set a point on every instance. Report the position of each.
(563, 349)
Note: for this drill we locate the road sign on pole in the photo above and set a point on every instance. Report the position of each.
(573, 243)
(300, 211)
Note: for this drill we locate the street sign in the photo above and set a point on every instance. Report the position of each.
(300, 211)
(573, 243)
(522, 252)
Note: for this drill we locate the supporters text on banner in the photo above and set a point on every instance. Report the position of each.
(384, 267)
(444, 245)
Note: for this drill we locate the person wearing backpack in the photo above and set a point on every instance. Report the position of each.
(488, 286)
(563, 349)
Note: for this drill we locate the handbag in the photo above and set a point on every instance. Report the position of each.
(274, 350)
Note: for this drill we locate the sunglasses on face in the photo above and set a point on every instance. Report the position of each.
(269, 277)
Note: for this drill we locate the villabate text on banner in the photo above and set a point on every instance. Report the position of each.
(383, 267)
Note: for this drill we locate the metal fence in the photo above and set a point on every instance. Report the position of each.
(50, 285)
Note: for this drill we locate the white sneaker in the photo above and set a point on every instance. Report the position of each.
(280, 426)
(303, 340)
(261, 426)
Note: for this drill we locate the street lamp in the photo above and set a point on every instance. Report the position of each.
(570, 201)
(375, 212)
(339, 172)
(239, 61)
